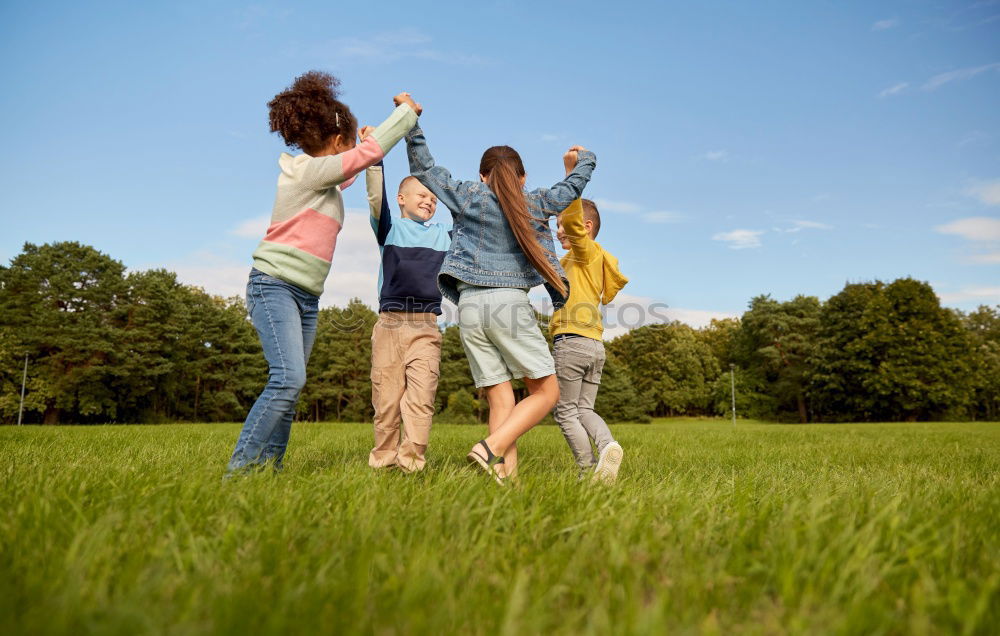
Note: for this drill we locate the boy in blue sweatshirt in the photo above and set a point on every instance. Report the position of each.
(406, 341)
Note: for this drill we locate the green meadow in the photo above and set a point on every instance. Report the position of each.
(761, 528)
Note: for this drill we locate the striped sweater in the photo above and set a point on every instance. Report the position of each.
(309, 209)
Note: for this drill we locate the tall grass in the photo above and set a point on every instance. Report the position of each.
(888, 528)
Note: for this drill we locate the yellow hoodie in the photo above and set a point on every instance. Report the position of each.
(593, 276)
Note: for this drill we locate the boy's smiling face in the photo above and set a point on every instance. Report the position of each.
(415, 201)
(561, 234)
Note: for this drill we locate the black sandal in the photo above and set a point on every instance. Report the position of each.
(487, 463)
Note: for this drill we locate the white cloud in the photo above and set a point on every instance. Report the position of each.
(254, 228)
(663, 217)
(698, 318)
(809, 225)
(215, 274)
(716, 155)
(987, 192)
(983, 232)
(740, 239)
(986, 258)
(976, 228)
(390, 46)
(882, 25)
(990, 295)
(622, 207)
(629, 312)
(974, 138)
(940, 80)
(798, 226)
(627, 207)
(895, 89)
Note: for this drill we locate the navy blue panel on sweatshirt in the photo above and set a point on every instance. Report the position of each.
(409, 279)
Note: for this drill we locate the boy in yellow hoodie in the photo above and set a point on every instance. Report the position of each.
(577, 331)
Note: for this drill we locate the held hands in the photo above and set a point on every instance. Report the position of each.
(404, 98)
(571, 157)
(365, 131)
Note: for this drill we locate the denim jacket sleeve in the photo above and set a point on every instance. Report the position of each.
(437, 179)
(555, 199)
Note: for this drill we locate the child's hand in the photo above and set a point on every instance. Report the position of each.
(404, 98)
(571, 157)
(365, 131)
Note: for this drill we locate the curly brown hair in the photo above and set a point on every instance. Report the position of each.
(307, 113)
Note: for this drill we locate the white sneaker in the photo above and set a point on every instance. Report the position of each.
(608, 463)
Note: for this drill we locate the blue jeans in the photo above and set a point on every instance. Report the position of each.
(285, 319)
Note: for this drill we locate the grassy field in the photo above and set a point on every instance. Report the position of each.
(887, 528)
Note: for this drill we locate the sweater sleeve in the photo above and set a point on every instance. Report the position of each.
(581, 246)
(555, 199)
(381, 217)
(437, 179)
(322, 173)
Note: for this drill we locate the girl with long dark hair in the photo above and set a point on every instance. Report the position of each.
(502, 247)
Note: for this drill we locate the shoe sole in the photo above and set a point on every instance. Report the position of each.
(475, 459)
(608, 465)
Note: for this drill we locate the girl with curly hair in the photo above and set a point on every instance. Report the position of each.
(291, 263)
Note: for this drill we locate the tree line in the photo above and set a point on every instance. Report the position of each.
(106, 345)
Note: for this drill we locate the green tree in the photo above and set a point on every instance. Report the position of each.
(618, 400)
(219, 358)
(338, 384)
(774, 344)
(983, 327)
(463, 408)
(753, 400)
(455, 376)
(671, 368)
(721, 337)
(59, 304)
(149, 323)
(890, 352)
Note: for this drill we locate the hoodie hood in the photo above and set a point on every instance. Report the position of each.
(614, 280)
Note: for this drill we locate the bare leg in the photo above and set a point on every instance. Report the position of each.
(543, 395)
(501, 400)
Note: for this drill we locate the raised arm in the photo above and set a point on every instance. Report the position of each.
(378, 204)
(437, 179)
(581, 246)
(555, 199)
(322, 173)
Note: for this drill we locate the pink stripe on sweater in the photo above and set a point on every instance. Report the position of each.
(365, 154)
(309, 231)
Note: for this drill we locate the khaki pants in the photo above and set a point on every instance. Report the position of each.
(406, 362)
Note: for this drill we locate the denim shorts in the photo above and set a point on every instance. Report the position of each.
(500, 335)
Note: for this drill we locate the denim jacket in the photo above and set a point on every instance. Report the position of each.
(484, 250)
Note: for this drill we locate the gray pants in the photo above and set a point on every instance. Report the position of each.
(579, 362)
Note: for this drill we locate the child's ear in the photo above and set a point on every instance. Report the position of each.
(482, 178)
(345, 141)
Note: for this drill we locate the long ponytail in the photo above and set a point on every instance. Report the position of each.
(502, 168)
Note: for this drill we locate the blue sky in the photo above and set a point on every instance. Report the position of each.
(743, 148)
